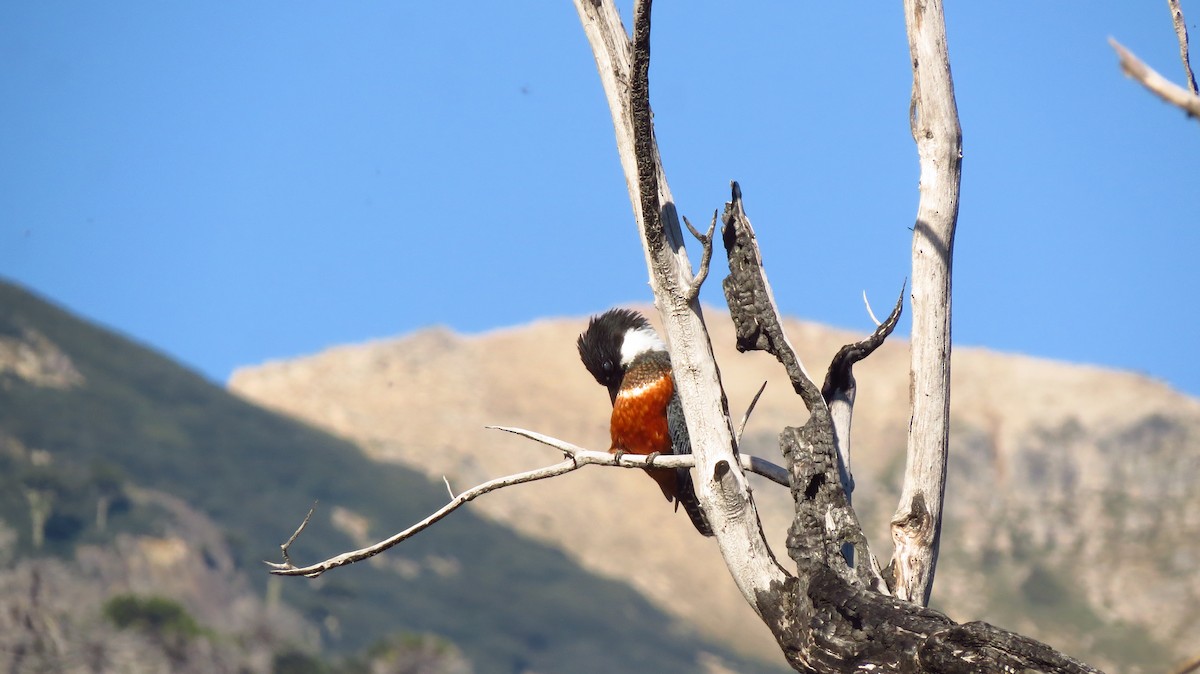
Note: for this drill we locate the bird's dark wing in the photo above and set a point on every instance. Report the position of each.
(682, 444)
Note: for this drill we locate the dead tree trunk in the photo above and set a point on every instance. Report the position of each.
(831, 609)
(836, 612)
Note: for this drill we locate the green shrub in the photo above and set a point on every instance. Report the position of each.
(156, 615)
(296, 662)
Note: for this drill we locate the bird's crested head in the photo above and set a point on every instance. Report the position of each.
(612, 341)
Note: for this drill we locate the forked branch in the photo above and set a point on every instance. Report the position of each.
(706, 248)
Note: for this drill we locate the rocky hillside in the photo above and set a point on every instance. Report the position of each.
(142, 603)
(1073, 514)
(138, 502)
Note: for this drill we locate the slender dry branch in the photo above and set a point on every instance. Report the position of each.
(917, 523)
(1157, 84)
(287, 545)
(749, 410)
(1182, 35)
(773, 472)
(870, 313)
(576, 458)
(706, 245)
(313, 570)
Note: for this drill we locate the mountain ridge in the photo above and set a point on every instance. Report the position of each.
(422, 400)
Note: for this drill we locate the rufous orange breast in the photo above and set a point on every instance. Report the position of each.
(639, 420)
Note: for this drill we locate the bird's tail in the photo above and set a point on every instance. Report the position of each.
(686, 496)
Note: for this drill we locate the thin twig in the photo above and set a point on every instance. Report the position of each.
(1181, 33)
(869, 312)
(314, 570)
(575, 458)
(1157, 84)
(448, 489)
(749, 409)
(585, 457)
(706, 245)
(286, 546)
(561, 445)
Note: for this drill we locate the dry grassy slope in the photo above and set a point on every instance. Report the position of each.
(424, 399)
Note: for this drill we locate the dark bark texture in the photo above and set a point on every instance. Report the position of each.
(833, 617)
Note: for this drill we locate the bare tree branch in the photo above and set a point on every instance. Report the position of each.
(576, 458)
(917, 523)
(287, 545)
(1157, 84)
(1182, 34)
(773, 472)
(870, 313)
(749, 410)
(706, 245)
(313, 570)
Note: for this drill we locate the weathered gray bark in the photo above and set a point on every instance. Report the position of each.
(917, 523)
(1181, 34)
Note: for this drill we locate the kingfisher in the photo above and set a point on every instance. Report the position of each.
(624, 353)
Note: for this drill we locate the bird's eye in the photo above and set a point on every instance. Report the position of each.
(608, 366)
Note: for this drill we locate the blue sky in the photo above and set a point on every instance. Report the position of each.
(231, 183)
